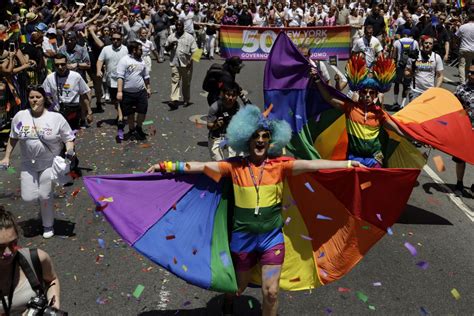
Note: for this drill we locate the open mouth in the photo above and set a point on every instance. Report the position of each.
(260, 146)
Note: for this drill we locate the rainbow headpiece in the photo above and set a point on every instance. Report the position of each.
(247, 121)
(358, 77)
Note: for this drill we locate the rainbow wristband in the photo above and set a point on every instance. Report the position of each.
(181, 166)
(168, 166)
(176, 166)
(162, 166)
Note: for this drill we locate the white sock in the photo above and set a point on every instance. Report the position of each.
(404, 100)
(395, 96)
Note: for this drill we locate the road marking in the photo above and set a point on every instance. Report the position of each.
(456, 200)
(164, 294)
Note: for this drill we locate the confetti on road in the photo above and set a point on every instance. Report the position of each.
(372, 307)
(423, 265)
(309, 187)
(138, 291)
(343, 289)
(101, 243)
(411, 248)
(147, 122)
(377, 284)
(439, 163)
(75, 192)
(455, 294)
(364, 298)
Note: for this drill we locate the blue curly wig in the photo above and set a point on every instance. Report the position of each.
(247, 121)
(369, 83)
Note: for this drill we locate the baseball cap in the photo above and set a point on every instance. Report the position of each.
(234, 61)
(41, 27)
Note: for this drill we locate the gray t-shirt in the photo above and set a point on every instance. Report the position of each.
(133, 73)
(111, 58)
(53, 129)
(425, 71)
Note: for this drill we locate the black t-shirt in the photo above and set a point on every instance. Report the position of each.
(210, 30)
(160, 23)
(216, 111)
(377, 22)
(245, 19)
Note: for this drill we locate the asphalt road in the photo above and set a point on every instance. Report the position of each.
(100, 281)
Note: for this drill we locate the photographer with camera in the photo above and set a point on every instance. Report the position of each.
(28, 282)
(68, 92)
(218, 118)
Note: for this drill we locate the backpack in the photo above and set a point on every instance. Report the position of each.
(407, 47)
(211, 81)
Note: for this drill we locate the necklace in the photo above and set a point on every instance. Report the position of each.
(257, 185)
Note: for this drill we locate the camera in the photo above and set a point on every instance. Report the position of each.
(38, 306)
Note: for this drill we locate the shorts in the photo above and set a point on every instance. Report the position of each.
(400, 77)
(457, 160)
(113, 94)
(134, 102)
(249, 248)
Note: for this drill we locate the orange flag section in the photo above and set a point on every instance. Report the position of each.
(437, 118)
(331, 227)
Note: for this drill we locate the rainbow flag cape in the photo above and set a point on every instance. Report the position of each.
(319, 131)
(181, 221)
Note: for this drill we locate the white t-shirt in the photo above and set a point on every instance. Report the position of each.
(46, 45)
(111, 58)
(466, 34)
(71, 87)
(259, 20)
(320, 18)
(425, 71)
(53, 129)
(294, 17)
(369, 49)
(147, 47)
(187, 21)
(133, 72)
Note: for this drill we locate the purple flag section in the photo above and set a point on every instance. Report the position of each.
(139, 201)
(292, 69)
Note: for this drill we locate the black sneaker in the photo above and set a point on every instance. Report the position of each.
(459, 190)
(99, 108)
(131, 135)
(140, 133)
(173, 105)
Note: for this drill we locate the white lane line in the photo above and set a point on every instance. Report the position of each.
(456, 200)
(164, 294)
(448, 79)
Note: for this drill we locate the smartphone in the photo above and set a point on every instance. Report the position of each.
(12, 47)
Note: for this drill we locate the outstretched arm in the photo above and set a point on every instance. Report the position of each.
(184, 167)
(324, 92)
(302, 166)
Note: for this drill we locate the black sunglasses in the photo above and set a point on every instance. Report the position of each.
(264, 136)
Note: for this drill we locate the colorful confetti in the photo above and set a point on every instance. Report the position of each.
(138, 291)
(411, 248)
(323, 217)
(455, 294)
(423, 265)
(377, 284)
(309, 187)
(343, 289)
(147, 122)
(361, 296)
(365, 185)
(101, 243)
(224, 258)
(439, 163)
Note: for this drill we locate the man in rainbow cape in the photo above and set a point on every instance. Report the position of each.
(257, 180)
(364, 118)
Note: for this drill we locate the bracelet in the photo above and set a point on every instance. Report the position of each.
(176, 166)
(162, 166)
(349, 164)
(181, 166)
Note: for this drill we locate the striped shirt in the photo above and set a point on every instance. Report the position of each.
(363, 128)
(245, 194)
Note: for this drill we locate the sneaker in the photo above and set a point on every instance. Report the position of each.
(99, 108)
(130, 135)
(48, 232)
(459, 190)
(107, 97)
(141, 135)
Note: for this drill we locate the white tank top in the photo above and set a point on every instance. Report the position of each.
(22, 294)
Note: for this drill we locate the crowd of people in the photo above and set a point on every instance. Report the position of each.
(61, 61)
